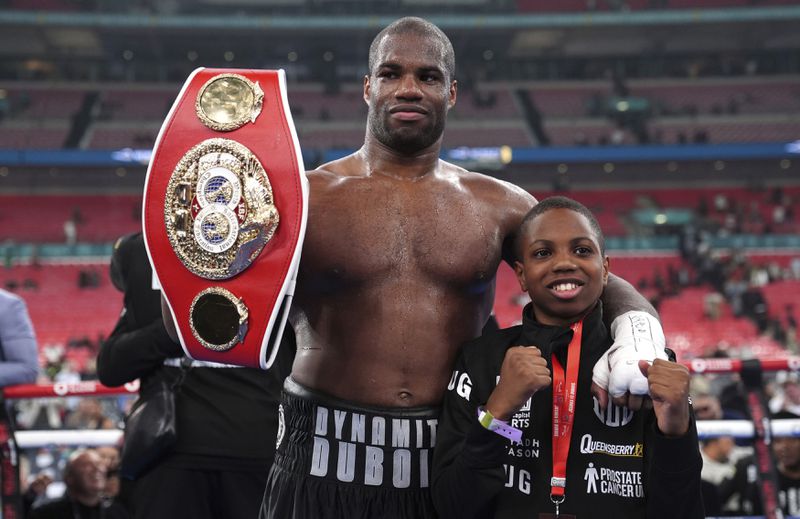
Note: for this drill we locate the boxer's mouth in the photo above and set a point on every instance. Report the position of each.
(408, 112)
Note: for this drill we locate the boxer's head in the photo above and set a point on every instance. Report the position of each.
(562, 263)
(422, 28)
(410, 85)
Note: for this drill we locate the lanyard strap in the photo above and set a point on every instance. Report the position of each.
(565, 387)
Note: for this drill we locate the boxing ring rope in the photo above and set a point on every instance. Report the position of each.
(11, 441)
(761, 430)
(751, 373)
(82, 388)
(29, 439)
(723, 365)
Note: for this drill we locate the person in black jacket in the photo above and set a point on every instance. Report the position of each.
(227, 417)
(520, 432)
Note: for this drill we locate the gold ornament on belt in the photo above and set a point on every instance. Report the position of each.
(218, 319)
(228, 101)
(219, 209)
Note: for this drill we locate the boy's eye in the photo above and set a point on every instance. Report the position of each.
(541, 253)
(583, 251)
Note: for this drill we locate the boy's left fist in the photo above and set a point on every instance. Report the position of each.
(668, 383)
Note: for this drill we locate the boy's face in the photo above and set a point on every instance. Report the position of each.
(562, 268)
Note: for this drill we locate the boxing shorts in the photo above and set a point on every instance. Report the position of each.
(338, 460)
(225, 210)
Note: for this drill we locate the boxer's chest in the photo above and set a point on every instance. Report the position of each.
(372, 230)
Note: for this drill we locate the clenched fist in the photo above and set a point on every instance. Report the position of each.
(668, 383)
(523, 373)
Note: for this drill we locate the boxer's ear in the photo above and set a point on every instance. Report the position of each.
(366, 89)
(453, 94)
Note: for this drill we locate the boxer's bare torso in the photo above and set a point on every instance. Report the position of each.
(397, 271)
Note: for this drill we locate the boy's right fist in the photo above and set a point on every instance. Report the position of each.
(523, 373)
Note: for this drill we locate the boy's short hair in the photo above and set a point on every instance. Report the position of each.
(558, 202)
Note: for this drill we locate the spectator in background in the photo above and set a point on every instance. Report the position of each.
(34, 493)
(791, 328)
(794, 267)
(712, 305)
(70, 232)
(754, 306)
(787, 394)
(744, 487)
(40, 413)
(717, 467)
(88, 414)
(85, 478)
(718, 464)
(19, 361)
(111, 457)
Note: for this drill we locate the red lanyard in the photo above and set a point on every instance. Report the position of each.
(565, 387)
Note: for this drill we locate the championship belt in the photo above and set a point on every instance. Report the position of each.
(225, 208)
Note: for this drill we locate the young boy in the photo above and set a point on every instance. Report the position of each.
(497, 455)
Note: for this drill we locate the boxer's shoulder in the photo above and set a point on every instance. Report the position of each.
(350, 166)
(332, 176)
(491, 187)
(510, 200)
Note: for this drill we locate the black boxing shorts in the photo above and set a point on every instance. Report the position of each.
(337, 460)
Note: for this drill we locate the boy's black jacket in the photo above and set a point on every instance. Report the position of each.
(619, 464)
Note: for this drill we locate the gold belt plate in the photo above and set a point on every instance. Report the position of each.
(219, 209)
(218, 319)
(228, 101)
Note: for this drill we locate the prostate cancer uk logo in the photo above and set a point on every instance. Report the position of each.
(623, 483)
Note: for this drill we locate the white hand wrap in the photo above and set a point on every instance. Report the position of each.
(637, 336)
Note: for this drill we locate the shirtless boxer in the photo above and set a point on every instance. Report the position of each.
(397, 271)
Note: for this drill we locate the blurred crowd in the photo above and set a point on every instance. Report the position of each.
(729, 464)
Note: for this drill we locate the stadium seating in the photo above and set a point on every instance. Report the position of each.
(61, 311)
(15, 136)
(724, 109)
(105, 217)
(41, 218)
(781, 295)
